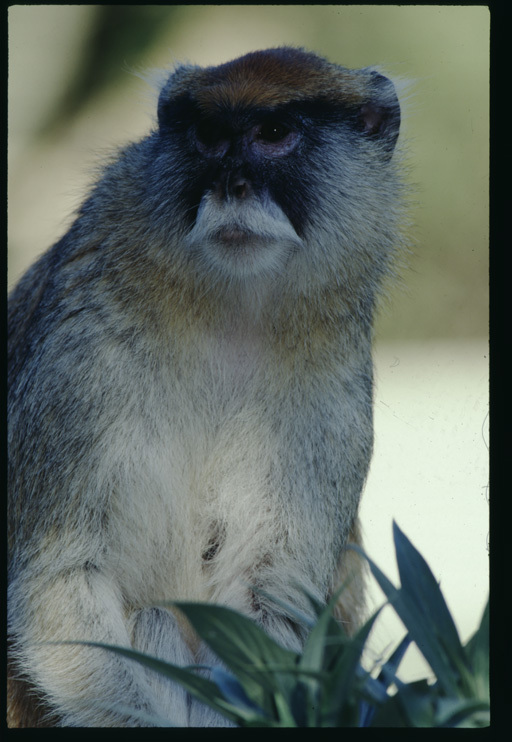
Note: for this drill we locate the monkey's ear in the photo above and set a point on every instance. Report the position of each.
(175, 113)
(174, 102)
(379, 116)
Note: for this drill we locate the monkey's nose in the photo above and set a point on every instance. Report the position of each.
(233, 185)
(240, 188)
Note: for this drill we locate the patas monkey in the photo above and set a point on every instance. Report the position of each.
(190, 400)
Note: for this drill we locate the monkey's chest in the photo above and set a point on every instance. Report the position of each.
(201, 502)
(233, 358)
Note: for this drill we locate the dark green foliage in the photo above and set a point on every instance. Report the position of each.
(262, 684)
(460, 694)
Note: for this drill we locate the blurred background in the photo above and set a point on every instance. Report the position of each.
(82, 81)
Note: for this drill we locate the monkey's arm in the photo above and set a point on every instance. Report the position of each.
(83, 685)
(61, 489)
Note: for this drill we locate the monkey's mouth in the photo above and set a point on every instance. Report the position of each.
(234, 236)
(243, 239)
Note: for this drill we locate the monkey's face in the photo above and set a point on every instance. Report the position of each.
(244, 223)
(260, 141)
(239, 197)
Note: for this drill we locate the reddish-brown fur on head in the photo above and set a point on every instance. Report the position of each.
(269, 78)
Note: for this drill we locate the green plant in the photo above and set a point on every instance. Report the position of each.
(263, 684)
(460, 694)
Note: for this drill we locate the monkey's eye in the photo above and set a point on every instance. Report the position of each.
(211, 139)
(274, 138)
(272, 132)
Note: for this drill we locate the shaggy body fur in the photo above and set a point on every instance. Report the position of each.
(190, 399)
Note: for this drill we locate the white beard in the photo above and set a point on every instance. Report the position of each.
(243, 238)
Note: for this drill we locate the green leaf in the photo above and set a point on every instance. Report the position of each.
(300, 704)
(477, 650)
(416, 618)
(237, 640)
(389, 714)
(456, 712)
(421, 588)
(375, 689)
(322, 651)
(389, 668)
(339, 706)
(325, 634)
(233, 691)
(201, 688)
(259, 663)
(417, 702)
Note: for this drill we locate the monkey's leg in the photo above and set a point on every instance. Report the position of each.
(86, 686)
(351, 572)
(200, 714)
(156, 632)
